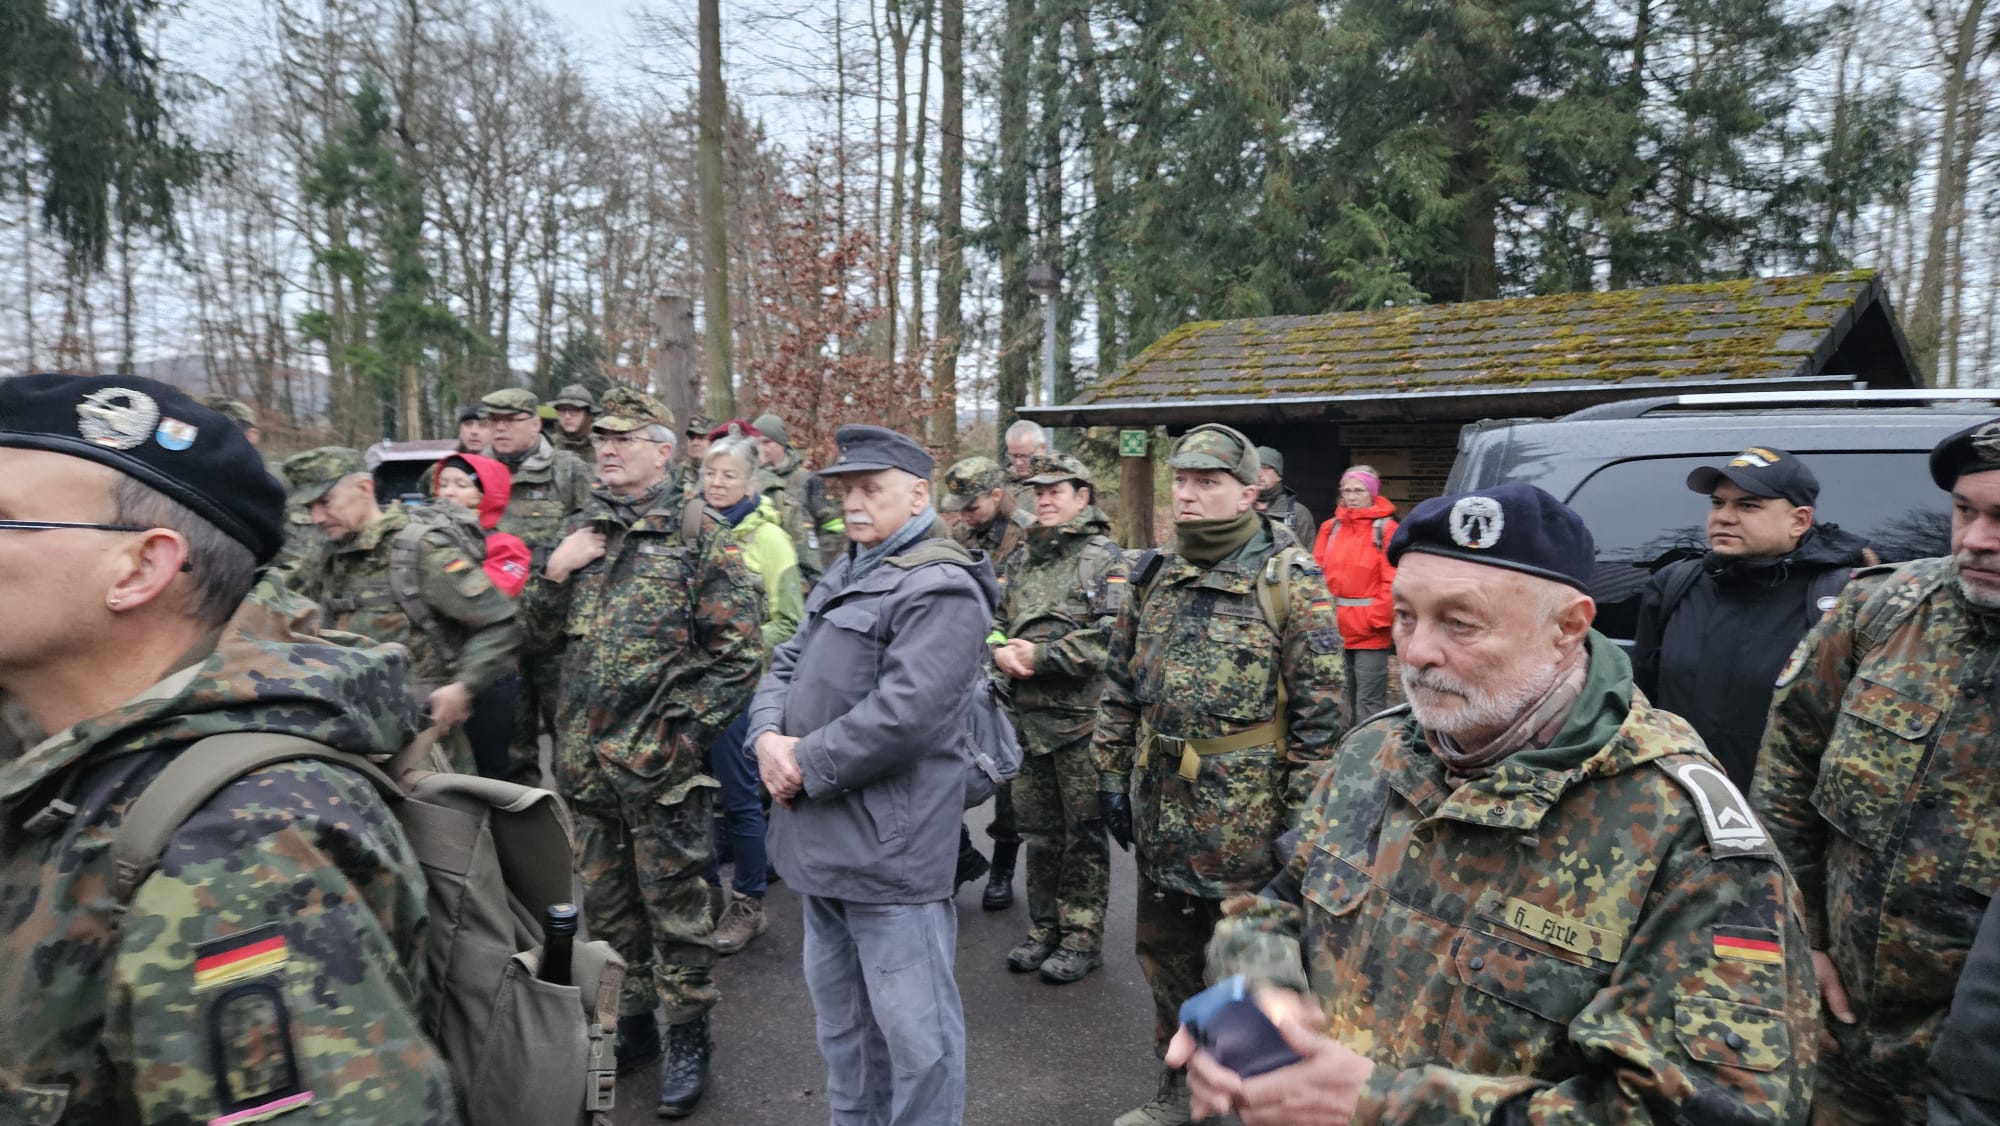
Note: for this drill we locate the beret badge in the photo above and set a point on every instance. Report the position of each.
(1476, 522)
(117, 418)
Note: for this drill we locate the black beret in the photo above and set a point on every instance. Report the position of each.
(1518, 527)
(1975, 449)
(865, 449)
(158, 435)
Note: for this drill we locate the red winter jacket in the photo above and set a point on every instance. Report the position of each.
(1358, 573)
(507, 557)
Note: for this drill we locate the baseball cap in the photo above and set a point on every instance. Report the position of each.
(1760, 471)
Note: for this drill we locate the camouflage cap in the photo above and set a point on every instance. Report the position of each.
(698, 425)
(772, 427)
(509, 401)
(1052, 468)
(627, 409)
(1215, 446)
(967, 481)
(574, 395)
(235, 410)
(313, 472)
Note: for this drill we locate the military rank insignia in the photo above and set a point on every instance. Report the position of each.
(248, 1028)
(1743, 944)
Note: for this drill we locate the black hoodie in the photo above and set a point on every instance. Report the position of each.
(1714, 633)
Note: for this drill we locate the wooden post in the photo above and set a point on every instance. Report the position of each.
(1135, 489)
(673, 363)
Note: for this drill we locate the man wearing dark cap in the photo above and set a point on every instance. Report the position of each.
(1052, 638)
(573, 405)
(1713, 632)
(1877, 780)
(268, 962)
(662, 625)
(858, 730)
(473, 434)
(1525, 895)
(1279, 502)
(393, 576)
(1221, 706)
(695, 448)
(550, 486)
(978, 505)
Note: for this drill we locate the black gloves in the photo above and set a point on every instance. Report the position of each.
(1116, 810)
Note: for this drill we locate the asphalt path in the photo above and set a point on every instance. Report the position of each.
(1036, 1054)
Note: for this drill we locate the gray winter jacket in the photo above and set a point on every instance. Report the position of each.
(874, 684)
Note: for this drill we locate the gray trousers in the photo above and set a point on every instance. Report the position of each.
(1367, 683)
(886, 1010)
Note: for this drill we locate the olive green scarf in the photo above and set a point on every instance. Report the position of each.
(1208, 542)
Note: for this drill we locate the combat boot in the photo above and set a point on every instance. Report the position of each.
(638, 1042)
(742, 921)
(684, 1076)
(1068, 964)
(1168, 1108)
(1028, 956)
(971, 865)
(1000, 879)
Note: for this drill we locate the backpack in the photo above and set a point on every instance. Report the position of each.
(406, 579)
(495, 856)
(991, 748)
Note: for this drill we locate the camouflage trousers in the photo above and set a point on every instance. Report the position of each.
(1069, 857)
(641, 865)
(535, 707)
(1171, 935)
(1844, 1097)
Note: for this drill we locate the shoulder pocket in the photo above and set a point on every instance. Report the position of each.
(1732, 1034)
(1330, 885)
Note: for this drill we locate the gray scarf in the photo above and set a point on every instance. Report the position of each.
(866, 559)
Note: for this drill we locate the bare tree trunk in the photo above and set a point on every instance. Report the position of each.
(127, 346)
(715, 259)
(1011, 218)
(914, 334)
(1061, 386)
(1102, 189)
(1926, 323)
(673, 362)
(892, 256)
(28, 280)
(951, 234)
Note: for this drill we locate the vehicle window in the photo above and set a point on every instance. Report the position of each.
(1643, 517)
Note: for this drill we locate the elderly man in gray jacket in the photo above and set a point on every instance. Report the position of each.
(860, 732)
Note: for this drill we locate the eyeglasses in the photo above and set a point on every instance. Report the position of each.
(74, 526)
(61, 525)
(618, 441)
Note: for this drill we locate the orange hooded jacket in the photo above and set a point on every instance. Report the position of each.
(1358, 573)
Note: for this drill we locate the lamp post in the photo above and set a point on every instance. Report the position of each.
(1045, 282)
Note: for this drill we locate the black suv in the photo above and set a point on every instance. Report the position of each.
(1623, 467)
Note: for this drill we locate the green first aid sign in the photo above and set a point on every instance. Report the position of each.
(1131, 443)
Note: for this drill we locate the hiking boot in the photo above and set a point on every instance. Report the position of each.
(684, 1076)
(741, 921)
(1000, 880)
(718, 901)
(1067, 965)
(1032, 952)
(638, 1042)
(1168, 1108)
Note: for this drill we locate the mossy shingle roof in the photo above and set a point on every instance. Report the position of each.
(1749, 329)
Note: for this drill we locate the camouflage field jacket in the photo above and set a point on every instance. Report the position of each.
(1063, 594)
(1879, 779)
(663, 646)
(1197, 660)
(1615, 942)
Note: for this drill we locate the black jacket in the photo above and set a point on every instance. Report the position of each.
(1714, 633)
(1965, 1062)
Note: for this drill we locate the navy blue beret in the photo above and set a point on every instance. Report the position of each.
(157, 434)
(1518, 527)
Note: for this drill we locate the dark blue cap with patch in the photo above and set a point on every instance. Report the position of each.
(1514, 526)
(865, 449)
(155, 433)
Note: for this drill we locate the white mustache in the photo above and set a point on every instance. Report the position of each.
(860, 522)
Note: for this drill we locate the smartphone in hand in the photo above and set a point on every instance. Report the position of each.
(1228, 1025)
